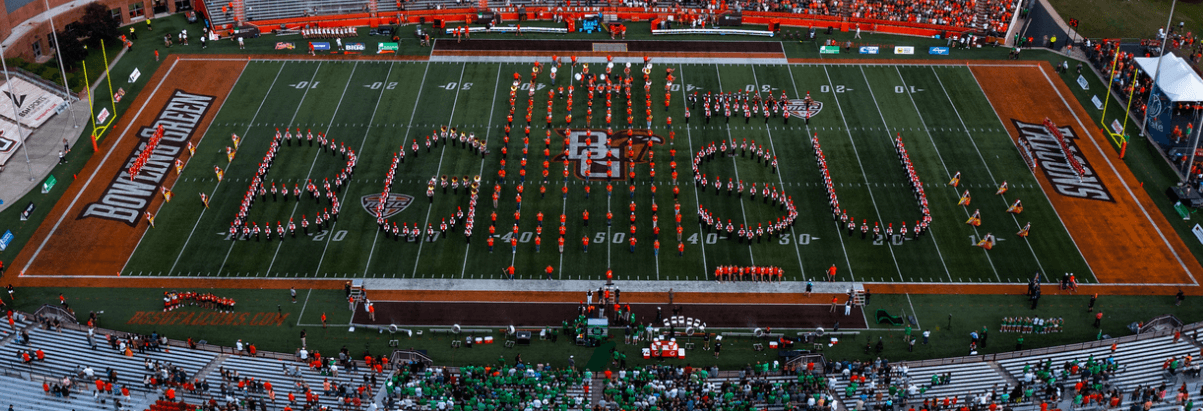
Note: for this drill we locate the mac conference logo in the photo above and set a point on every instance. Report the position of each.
(798, 108)
(396, 203)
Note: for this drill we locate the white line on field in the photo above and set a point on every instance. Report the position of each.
(938, 155)
(993, 181)
(856, 152)
(743, 211)
(696, 200)
(781, 179)
(454, 103)
(488, 129)
(227, 167)
(294, 117)
(838, 229)
(306, 304)
(347, 189)
(96, 171)
(410, 124)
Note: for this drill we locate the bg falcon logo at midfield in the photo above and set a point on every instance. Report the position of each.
(607, 161)
(396, 203)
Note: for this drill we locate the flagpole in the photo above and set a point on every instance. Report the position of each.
(62, 69)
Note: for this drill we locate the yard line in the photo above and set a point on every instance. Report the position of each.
(347, 189)
(97, 170)
(838, 229)
(938, 155)
(781, 180)
(421, 85)
(418, 256)
(861, 165)
(734, 165)
(1055, 211)
(689, 136)
(294, 117)
(993, 181)
(306, 304)
(564, 208)
(488, 129)
(227, 167)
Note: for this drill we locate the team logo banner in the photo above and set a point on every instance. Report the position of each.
(798, 108)
(608, 160)
(396, 203)
(282, 45)
(869, 49)
(1056, 168)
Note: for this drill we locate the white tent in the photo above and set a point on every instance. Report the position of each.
(1178, 81)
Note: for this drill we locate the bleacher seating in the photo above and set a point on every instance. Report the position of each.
(29, 396)
(965, 380)
(273, 370)
(68, 352)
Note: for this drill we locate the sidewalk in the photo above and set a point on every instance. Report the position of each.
(17, 179)
(43, 147)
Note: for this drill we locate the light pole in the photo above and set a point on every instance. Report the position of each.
(16, 116)
(59, 56)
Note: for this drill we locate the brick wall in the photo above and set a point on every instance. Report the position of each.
(24, 47)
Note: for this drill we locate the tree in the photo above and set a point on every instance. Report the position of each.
(71, 50)
(97, 24)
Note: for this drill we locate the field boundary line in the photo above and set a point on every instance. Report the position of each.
(993, 180)
(735, 166)
(856, 152)
(781, 179)
(1115, 171)
(450, 120)
(96, 171)
(942, 165)
(224, 169)
(696, 199)
(806, 125)
(346, 191)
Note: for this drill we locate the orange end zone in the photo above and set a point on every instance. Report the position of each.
(1125, 240)
(185, 95)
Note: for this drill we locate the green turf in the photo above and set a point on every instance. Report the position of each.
(932, 312)
(1128, 19)
(369, 104)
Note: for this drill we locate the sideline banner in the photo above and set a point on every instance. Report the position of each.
(382, 48)
(830, 50)
(869, 49)
(904, 50)
(939, 51)
(320, 45)
(34, 105)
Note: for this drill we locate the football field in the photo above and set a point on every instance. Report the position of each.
(380, 108)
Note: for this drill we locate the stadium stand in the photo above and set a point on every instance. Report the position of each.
(1138, 374)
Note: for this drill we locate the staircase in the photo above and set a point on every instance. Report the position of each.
(1003, 372)
(595, 390)
(373, 7)
(239, 12)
